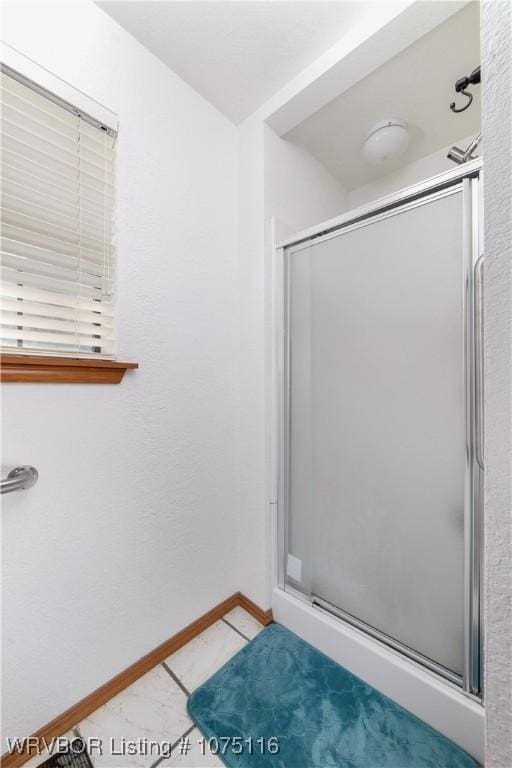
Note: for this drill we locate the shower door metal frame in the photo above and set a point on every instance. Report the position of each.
(467, 180)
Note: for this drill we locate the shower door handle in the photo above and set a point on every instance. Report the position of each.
(479, 360)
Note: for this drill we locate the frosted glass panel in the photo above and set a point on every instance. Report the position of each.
(376, 452)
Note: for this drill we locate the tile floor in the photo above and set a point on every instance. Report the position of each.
(154, 707)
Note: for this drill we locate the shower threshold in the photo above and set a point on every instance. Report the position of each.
(430, 696)
(388, 641)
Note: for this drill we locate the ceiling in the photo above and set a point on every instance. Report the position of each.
(236, 54)
(416, 86)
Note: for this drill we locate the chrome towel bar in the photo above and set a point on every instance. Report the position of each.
(18, 479)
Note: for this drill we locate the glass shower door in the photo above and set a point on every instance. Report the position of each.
(376, 455)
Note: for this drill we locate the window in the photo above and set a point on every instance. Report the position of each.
(57, 226)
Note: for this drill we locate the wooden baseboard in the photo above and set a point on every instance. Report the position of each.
(264, 617)
(72, 716)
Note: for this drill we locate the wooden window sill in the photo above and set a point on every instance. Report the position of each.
(61, 370)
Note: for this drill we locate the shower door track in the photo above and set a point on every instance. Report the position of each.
(386, 640)
(381, 205)
(469, 175)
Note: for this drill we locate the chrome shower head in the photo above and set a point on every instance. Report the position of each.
(456, 154)
(460, 156)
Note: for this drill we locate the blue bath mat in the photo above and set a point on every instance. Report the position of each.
(321, 714)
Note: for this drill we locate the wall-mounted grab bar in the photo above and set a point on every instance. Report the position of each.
(18, 479)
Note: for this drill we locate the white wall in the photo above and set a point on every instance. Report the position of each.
(282, 181)
(299, 190)
(497, 133)
(253, 512)
(129, 534)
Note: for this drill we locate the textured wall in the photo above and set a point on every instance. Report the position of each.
(299, 191)
(497, 122)
(129, 534)
(276, 179)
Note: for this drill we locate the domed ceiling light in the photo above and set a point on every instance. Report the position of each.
(386, 142)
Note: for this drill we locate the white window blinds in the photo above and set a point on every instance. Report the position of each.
(57, 226)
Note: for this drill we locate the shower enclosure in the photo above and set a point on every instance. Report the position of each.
(381, 422)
